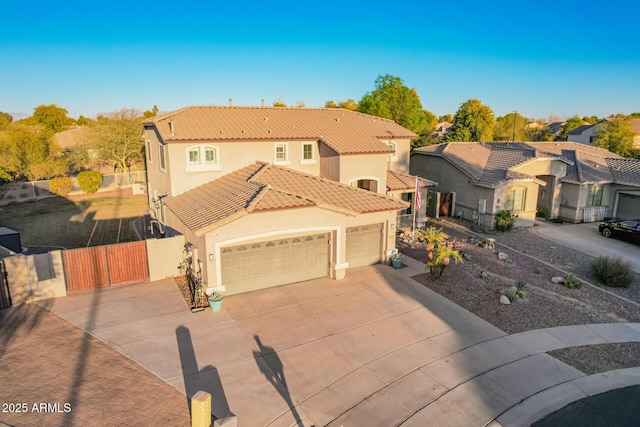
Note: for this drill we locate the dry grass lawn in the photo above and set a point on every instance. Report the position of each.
(57, 221)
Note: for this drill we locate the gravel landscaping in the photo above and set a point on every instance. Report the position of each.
(478, 282)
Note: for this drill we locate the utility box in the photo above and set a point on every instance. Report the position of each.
(10, 239)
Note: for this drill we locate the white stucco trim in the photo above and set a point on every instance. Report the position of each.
(266, 235)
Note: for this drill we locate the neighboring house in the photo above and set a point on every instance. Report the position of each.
(555, 128)
(582, 134)
(572, 181)
(269, 196)
(442, 129)
(585, 134)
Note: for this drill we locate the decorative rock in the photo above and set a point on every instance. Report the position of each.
(484, 275)
(505, 300)
(503, 257)
(557, 279)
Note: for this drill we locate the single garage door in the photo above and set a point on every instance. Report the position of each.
(364, 245)
(628, 206)
(275, 262)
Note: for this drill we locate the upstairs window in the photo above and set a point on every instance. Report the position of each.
(149, 156)
(210, 157)
(162, 156)
(194, 156)
(307, 152)
(515, 200)
(202, 158)
(281, 155)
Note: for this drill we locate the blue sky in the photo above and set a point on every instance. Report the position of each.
(538, 58)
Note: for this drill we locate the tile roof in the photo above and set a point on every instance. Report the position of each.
(262, 187)
(580, 129)
(345, 131)
(625, 171)
(397, 181)
(493, 163)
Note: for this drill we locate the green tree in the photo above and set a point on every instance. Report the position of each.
(445, 118)
(52, 118)
(391, 99)
(349, 104)
(25, 152)
(592, 120)
(616, 136)
(504, 128)
(425, 136)
(330, 104)
(84, 121)
(150, 113)
(117, 138)
(472, 122)
(5, 119)
(279, 103)
(571, 124)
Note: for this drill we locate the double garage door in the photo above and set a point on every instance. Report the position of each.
(279, 261)
(275, 262)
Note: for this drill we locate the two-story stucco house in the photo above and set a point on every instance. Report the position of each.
(269, 196)
(569, 180)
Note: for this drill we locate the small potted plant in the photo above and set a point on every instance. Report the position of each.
(396, 259)
(215, 301)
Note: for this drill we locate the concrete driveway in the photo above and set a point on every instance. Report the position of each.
(376, 348)
(586, 238)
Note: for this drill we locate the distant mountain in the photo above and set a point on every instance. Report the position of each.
(19, 116)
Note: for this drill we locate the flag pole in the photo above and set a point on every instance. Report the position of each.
(415, 203)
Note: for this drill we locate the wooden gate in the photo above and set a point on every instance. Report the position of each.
(5, 298)
(104, 266)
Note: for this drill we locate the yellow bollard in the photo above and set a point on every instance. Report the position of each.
(201, 409)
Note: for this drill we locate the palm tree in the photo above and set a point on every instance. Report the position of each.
(441, 256)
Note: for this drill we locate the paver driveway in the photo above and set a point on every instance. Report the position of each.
(376, 348)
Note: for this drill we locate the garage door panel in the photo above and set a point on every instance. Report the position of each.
(628, 206)
(274, 262)
(364, 245)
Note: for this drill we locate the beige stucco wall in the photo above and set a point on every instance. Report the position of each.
(329, 163)
(450, 179)
(544, 167)
(527, 216)
(265, 225)
(233, 156)
(23, 281)
(164, 256)
(364, 166)
(401, 162)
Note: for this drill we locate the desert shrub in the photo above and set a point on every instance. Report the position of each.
(538, 270)
(613, 271)
(571, 282)
(505, 220)
(90, 181)
(543, 213)
(61, 186)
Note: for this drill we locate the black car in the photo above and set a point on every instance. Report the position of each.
(627, 229)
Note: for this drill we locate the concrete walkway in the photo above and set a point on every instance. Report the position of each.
(376, 348)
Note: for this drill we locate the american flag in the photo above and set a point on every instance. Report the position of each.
(418, 196)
